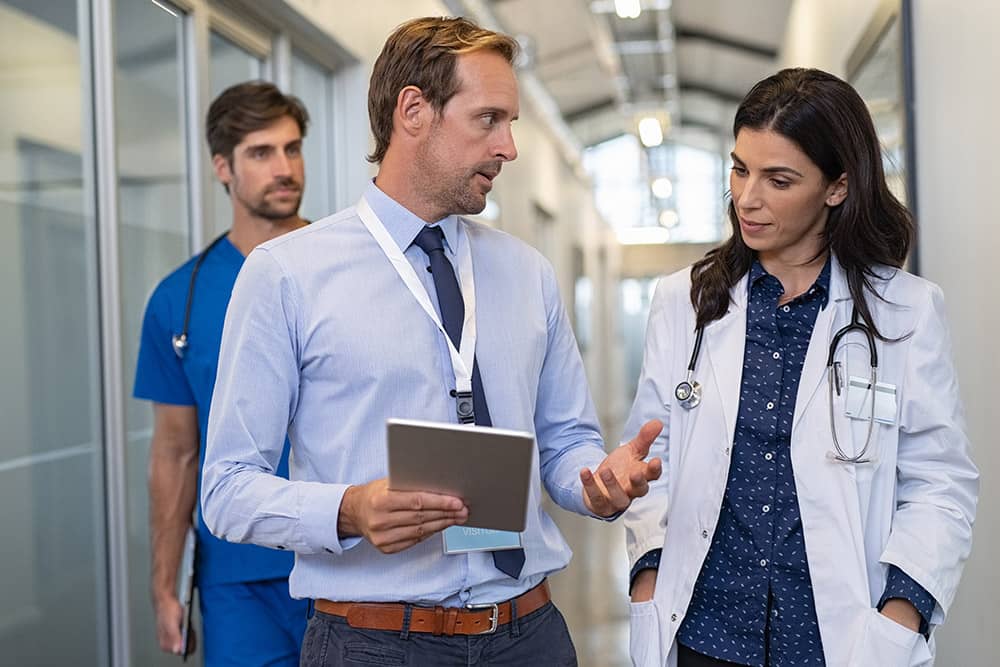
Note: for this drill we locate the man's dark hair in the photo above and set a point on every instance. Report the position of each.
(245, 108)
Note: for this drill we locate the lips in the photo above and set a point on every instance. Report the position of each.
(751, 226)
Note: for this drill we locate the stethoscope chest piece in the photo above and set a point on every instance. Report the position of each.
(688, 394)
(180, 344)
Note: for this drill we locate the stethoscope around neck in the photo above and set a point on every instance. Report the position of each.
(180, 341)
(688, 391)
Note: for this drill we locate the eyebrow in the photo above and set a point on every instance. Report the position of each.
(770, 170)
(253, 147)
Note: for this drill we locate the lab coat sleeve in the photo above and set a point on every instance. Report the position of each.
(646, 519)
(937, 483)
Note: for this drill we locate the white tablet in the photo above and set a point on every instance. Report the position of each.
(489, 468)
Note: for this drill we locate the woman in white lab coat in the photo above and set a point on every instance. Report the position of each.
(807, 514)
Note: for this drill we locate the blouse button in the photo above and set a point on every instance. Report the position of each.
(770, 405)
(776, 355)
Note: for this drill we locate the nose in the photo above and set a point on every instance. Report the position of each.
(505, 149)
(281, 165)
(748, 196)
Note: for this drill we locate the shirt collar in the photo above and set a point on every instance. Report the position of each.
(822, 284)
(402, 224)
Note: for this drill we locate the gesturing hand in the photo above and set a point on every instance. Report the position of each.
(623, 475)
(396, 520)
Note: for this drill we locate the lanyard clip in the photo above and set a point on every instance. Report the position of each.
(464, 407)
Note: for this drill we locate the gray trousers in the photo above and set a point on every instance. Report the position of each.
(539, 638)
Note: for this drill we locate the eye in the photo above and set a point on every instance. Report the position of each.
(259, 153)
(780, 184)
(488, 119)
(739, 171)
(294, 151)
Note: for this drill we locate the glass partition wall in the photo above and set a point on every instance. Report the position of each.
(101, 164)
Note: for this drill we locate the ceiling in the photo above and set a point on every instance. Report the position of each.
(689, 62)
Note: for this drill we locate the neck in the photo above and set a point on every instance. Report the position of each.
(394, 179)
(250, 231)
(796, 275)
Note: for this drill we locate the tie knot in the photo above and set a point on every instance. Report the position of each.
(429, 239)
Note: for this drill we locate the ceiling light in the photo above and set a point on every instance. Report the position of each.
(642, 235)
(662, 188)
(627, 9)
(650, 132)
(669, 218)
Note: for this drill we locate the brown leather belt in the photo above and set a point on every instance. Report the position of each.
(472, 620)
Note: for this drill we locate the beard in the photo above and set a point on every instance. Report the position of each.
(451, 191)
(259, 205)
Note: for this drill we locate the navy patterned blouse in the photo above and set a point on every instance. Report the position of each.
(753, 601)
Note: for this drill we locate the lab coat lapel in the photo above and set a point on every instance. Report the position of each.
(725, 342)
(836, 314)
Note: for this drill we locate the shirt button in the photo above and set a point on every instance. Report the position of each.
(776, 355)
(766, 508)
(673, 617)
(727, 451)
(281, 546)
(786, 308)
(763, 562)
(769, 456)
(328, 550)
(770, 405)
(704, 534)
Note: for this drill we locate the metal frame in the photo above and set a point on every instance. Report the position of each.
(887, 12)
(109, 272)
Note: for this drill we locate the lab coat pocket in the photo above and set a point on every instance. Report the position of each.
(644, 634)
(886, 643)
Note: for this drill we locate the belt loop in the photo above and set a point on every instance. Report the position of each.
(515, 628)
(438, 621)
(310, 609)
(404, 634)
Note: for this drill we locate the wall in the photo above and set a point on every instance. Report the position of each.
(956, 51)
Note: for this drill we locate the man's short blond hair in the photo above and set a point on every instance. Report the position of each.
(423, 53)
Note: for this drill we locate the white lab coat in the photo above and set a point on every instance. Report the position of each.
(913, 507)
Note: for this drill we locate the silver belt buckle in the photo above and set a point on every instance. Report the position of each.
(494, 616)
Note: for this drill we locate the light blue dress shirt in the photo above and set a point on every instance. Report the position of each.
(323, 338)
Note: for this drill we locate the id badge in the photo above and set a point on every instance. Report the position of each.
(463, 539)
(859, 397)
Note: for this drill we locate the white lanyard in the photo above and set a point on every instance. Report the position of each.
(461, 362)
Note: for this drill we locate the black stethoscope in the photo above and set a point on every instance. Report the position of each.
(180, 341)
(688, 391)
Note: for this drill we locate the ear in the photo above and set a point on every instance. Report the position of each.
(836, 192)
(413, 111)
(223, 171)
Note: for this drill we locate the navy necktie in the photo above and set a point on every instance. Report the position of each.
(431, 241)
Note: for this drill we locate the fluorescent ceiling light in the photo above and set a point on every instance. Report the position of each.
(628, 9)
(662, 188)
(642, 235)
(650, 132)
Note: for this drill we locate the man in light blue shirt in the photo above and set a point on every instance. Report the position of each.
(326, 338)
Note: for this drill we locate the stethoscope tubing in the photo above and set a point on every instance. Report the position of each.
(688, 391)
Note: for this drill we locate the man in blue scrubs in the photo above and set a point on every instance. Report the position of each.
(255, 136)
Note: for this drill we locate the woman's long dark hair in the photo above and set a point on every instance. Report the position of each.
(827, 119)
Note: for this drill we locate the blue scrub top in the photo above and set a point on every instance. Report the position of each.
(162, 377)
